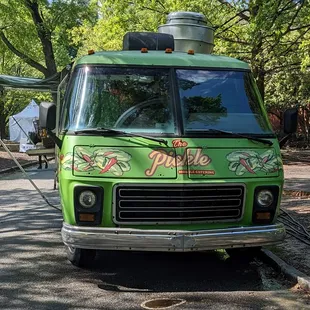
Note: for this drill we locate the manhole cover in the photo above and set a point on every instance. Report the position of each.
(162, 303)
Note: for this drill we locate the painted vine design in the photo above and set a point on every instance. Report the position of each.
(242, 162)
(100, 160)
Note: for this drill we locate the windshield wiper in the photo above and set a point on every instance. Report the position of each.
(241, 136)
(102, 130)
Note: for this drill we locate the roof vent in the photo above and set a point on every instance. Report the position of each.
(150, 40)
(190, 31)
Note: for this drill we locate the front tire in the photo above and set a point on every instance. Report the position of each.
(80, 257)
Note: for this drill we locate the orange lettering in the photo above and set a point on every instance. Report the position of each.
(168, 160)
(204, 160)
(190, 158)
(181, 160)
(197, 157)
(179, 143)
(159, 158)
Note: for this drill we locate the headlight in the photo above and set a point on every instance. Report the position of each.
(87, 199)
(265, 198)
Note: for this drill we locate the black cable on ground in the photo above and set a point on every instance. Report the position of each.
(294, 228)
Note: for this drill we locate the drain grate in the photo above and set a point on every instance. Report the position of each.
(162, 303)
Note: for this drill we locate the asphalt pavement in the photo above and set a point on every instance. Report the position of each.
(35, 274)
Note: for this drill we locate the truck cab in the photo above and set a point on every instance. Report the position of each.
(164, 146)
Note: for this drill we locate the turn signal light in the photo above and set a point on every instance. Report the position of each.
(144, 50)
(263, 216)
(84, 217)
(90, 52)
(191, 52)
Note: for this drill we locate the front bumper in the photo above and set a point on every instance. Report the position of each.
(170, 240)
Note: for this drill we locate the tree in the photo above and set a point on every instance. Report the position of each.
(37, 31)
(34, 41)
(272, 36)
(275, 30)
(14, 101)
(267, 34)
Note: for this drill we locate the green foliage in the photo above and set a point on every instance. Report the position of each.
(210, 107)
(198, 104)
(271, 35)
(17, 24)
(14, 101)
(35, 41)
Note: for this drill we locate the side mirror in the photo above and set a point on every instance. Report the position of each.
(47, 115)
(290, 120)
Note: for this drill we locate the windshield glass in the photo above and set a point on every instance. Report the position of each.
(222, 100)
(128, 99)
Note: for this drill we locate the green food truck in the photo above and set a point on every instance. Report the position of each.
(163, 146)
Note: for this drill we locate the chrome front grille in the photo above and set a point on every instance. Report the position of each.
(177, 203)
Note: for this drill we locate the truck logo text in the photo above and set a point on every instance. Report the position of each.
(169, 159)
(179, 143)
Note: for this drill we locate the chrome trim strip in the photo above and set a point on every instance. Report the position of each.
(204, 186)
(101, 238)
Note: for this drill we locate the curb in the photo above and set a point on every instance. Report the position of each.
(290, 272)
(13, 169)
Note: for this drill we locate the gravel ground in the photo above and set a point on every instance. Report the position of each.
(294, 157)
(6, 161)
(296, 171)
(297, 202)
(293, 251)
(297, 177)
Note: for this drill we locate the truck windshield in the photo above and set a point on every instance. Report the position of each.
(128, 99)
(138, 100)
(221, 100)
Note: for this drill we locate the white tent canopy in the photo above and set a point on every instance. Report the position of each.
(25, 120)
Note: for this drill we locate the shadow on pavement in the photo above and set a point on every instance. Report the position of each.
(175, 272)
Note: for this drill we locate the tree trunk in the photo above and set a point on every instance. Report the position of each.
(2, 117)
(260, 80)
(257, 61)
(2, 127)
(44, 35)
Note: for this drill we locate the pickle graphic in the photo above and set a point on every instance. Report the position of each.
(117, 170)
(120, 155)
(101, 160)
(124, 166)
(242, 162)
(66, 161)
(114, 161)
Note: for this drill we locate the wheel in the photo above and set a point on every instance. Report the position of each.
(80, 257)
(243, 254)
